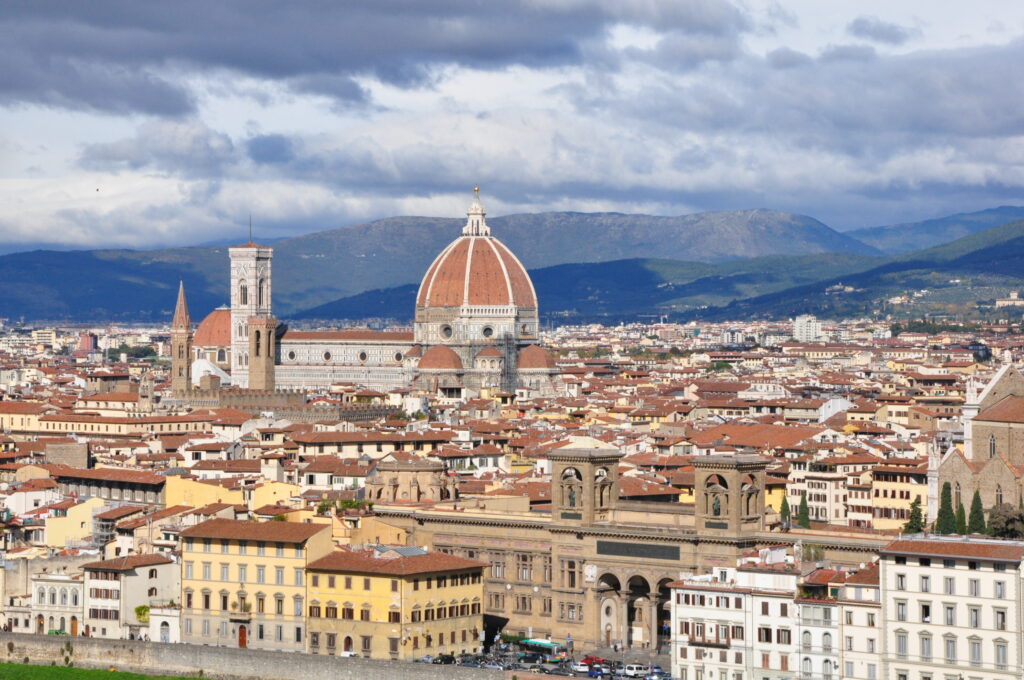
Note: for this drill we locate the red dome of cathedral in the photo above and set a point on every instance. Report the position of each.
(215, 329)
(476, 269)
(533, 356)
(440, 357)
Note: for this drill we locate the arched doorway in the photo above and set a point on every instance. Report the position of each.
(243, 635)
(40, 624)
(74, 626)
(639, 613)
(348, 644)
(663, 610)
(609, 594)
(165, 631)
(63, 627)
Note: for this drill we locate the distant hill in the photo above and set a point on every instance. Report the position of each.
(956, 274)
(899, 238)
(317, 268)
(626, 289)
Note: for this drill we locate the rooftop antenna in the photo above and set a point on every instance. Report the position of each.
(250, 227)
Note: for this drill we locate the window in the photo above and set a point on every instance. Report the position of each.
(366, 581)
(926, 647)
(901, 581)
(206, 571)
(1000, 619)
(974, 648)
(243, 572)
(949, 585)
(871, 619)
(901, 611)
(950, 650)
(261, 574)
(926, 613)
(279, 576)
(901, 645)
(974, 617)
(950, 618)
(764, 634)
(394, 585)
(1001, 656)
(1000, 590)
(848, 643)
(974, 587)
(524, 567)
(224, 573)
(926, 584)
(298, 576)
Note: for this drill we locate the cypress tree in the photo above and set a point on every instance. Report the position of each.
(803, 515)
(945, 521)
(961, 520)
(915, 524)
(784, 511)
(976, 522)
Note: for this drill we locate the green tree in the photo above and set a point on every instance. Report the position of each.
(915, 524)
(1006, 521)
(784, 511)
(803, 513)
(976, 521)
(961, 520)
(945, 522)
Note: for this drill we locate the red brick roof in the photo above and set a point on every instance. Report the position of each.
(241, 530)
(1002, 551)
(476, 270)
(129, 563)
(363, 563)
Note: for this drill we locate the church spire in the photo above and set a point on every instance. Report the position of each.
(182, 321)
(476, 225)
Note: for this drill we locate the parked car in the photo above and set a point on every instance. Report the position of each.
(445, 659)
(580, 667)
(597, 671)
(590, 660)
(634, 670)
(428, 658)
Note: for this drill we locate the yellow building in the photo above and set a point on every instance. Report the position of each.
(394, 604)
(894, 487)
(243, 583)
(72, 525)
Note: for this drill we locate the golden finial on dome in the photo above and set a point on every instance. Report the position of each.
(476, 189)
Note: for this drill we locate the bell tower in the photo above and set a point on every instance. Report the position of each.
(181, 346)
(262, 352)
(584, 484)
(250, 297)
(730, 493)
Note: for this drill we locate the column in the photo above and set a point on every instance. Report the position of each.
(652, 623)
(623, 621)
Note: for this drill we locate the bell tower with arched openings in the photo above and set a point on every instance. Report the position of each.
(730, 493)
(584, 484)
(250, 297)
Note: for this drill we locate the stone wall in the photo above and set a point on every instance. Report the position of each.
(218, 663)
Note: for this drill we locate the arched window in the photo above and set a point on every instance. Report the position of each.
(261, 293)
(243, 294)
(53, 596)
(826, 642)
(42, 595)
(826, 670)
(807, 639)
(957, 497)
(221, 356)
(999, 494)
(805, 666)
(152, 573)
(258, 338)
(991, 446)
(63, 597)
(74, 598)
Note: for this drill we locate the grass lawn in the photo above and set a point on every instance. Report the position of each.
(10, 671)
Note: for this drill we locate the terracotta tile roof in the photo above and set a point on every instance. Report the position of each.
(991, 549)
(1008, 410)
(128, 563)
(362, 563)
(283, 532)
(868, 576)
(121, 512)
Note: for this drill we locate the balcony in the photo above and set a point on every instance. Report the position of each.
(717, 643)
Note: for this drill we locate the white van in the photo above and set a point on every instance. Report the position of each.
(635, 670)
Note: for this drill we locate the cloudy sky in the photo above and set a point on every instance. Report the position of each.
(146, 124)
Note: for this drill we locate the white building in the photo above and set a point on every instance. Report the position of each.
(807, 328)
(57, 603)
(860, 628)
(115, 589)
(951, 608)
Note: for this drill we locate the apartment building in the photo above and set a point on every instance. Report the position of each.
(951, 608)
(115, 589)
(394, 603)
(860, 606)
(736, 623)
(243, 583)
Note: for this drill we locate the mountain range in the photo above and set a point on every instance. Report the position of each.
(584, 265)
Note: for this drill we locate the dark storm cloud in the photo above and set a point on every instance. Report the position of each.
(874, 29)
(123, 55)
(270, 149)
